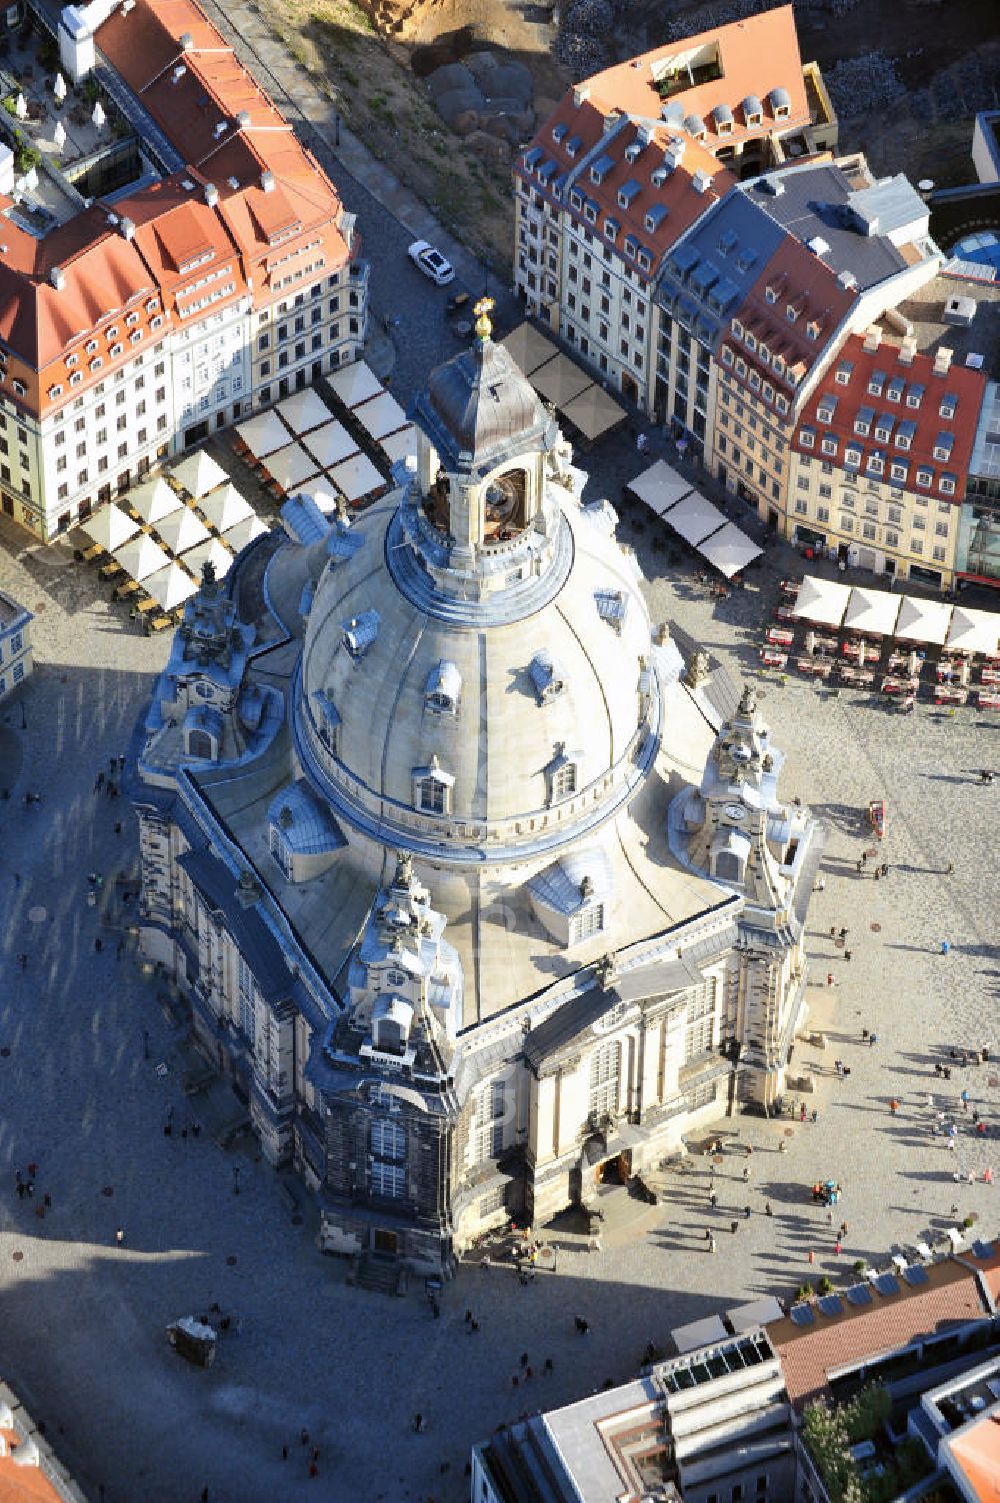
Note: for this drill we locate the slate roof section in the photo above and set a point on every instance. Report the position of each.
(570, 1020)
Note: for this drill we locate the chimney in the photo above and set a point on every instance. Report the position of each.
(186, 42)
(581, 94)
(701, 182)
(942, 360)
(873, 338)
(220, 129)
(58, 278)
(127, 227)
(243, 120)
(178, 73)
(267, 181)
(211, 195)
(907, 350)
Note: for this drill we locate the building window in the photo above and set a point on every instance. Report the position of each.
(564, 781)
(248, 1004)
(700, 1031)
(589, 921)
(605, 1079)
(388, 1179)
(388, 1139)
(491, 1108)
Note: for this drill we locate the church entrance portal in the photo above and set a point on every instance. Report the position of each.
(616, 1170)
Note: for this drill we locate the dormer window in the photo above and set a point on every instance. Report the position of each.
(751, 342)
(852, 457)
(807, 438)
(115, 351)
(590, 212)
(55, 391)
(432, 788)
(131, 319)
(875, 464)
(575, 199)
(547, 677)
(627, 192)
(947, 485)
(111, 333)
(562, 775)
(327, 721)
(899, 471)
(644, 260)
(771, 294)
(573, 146)
(812, 329)
(599, 168)
(72, 360)
(826, 408)
(914, 396)
(360, 632)
(829, 445)
(612, 607)
(792, 312)
(443, 689)
(611, 228)
(863, 422)
(90, 346)
(727, 355)
(925, 478)
(843, 375)
(764, 353)
(949, 403)
(943, 445)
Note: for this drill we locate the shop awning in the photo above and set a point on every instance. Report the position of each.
(923, 620)
(110, 527)
(211, 552)
(141, 557)
(357, 477)
(153, 500)
(225, 507)
(729, 550)
(291, 467)
(973, 631)
(593, 412)
(182, 530)
(694, 518)
(199, 474)
(560, 380)
(381, 415)
(660, 487)
(244, 532)
(304, 410)
(400, 445)
(170, 586)
(528, 347)
(355, 383)
(822, 601)
(699, 1333)
(872, 612)
(263, 434)
(330, 444)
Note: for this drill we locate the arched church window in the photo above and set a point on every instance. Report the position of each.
(605, 1079)
(200, 744)
(281, 852)
(388, 1139)
(588, 921)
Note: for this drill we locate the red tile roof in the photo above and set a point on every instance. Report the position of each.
(975, 1456)
(858, 1333)
(861, 368)
(755, 55)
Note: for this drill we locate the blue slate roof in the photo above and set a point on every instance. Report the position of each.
(815, 200)
(360, 632)
(710, 271)
(546, 675)
(303, 520)
(308, 829)
(558, 887)
(886, 206)
(254, 939)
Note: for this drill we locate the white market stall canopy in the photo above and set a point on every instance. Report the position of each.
(729, 550)
(304, 410)
(660, 487)
(759, 1312)
(213, 552)
(141, 557)
(593, 412)
(699, 1333)
(170, 586)
(528, 347)
(325, 496)
(561, 380)
(263, 434)
(381, 415)
(182, 530)
(199, 474)
(694, 518)
(330, 444)
(225, 507)
(822, 601)
(153, 500)
(291, 466)
(355, 383)
(400, 445)
(923, 620)
(872, 612)
(357, 477)
(110, 527)
(974, 631)
(244, 532)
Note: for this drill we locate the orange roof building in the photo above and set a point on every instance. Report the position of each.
(181, 301)
(30, 1471)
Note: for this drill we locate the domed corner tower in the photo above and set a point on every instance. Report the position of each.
(483, 443)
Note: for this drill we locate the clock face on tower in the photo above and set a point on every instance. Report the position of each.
(735, 812)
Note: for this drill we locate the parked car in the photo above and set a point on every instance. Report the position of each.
(431, 262)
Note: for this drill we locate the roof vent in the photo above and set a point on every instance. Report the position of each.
(233, 182)
(186, 42)
(267, 181)
(942, 360)
(211, 195)
(243, 120)
(632, 150)
(658, 177)
(818, 245)
(127, 227)
(220, 129)
(112, 219)
(177, 73)
(580, 95)
(873, 338)
(644, 133)
(58, 278)
(701, 182)
(960, 310)
(187, 185)
(974, 360)
(846, 279)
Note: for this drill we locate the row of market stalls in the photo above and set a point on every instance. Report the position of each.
(701, 525)
(154, 542)
(864, 637)
(580, 400)
(305, 445)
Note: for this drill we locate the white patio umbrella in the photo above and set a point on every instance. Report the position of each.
(59, 135)
(182, 530)
(59, 88)
(225, 507)
(153, 500)
(110, 527)
(98, 116)
(263, 434)
(170, 586)
(141, 557)
(212, 552)
(199, 474)
(244, 532)
(21, 107)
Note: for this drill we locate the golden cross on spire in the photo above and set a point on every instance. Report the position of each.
(482, 311)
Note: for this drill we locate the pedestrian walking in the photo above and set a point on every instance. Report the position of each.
(894, 1106)
(22, 961)
(843, 933)
(746, 1175)
(714, 1199)
(767, 1208)
(118, 826)
(860, 867)
(945, 946)
(747, 1212)
(864, 858)
(872, 1040)
(949, 869)
(829, 1218)
(99, 782)
(802, 1112)
(120, 1237)
(837, 1247)
(734, 1227)
(829, 978)
(98, 944)
(711, 1242)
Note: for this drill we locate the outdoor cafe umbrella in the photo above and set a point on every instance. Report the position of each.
(170, 586)
(110, 527)
(181, 530)
(225, 507)
(141, 557)
(153, 500)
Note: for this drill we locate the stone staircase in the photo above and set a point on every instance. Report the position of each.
(383, 1275)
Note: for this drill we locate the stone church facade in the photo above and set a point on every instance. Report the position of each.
(478, 891)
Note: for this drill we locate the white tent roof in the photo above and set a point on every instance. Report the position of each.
(244, 532)
(291, 466)
(141, 557)
(822, 601)
(212, 552)
(974, 631)
(225, 507)
(170, 586)
(529, 347)
(872, 611)
(182, 530)
(923, 620)
(355, 383)
(153, 500)
(398, 445)
(263, 434)
(694, 518)
(757, 1313)
(330, 444)
(660, 486)
(199, 474)
(304, 410)
(325, 495)
(699, 1333)
(381, 415)
(357, 477)
(729, 550)
(110, 527)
